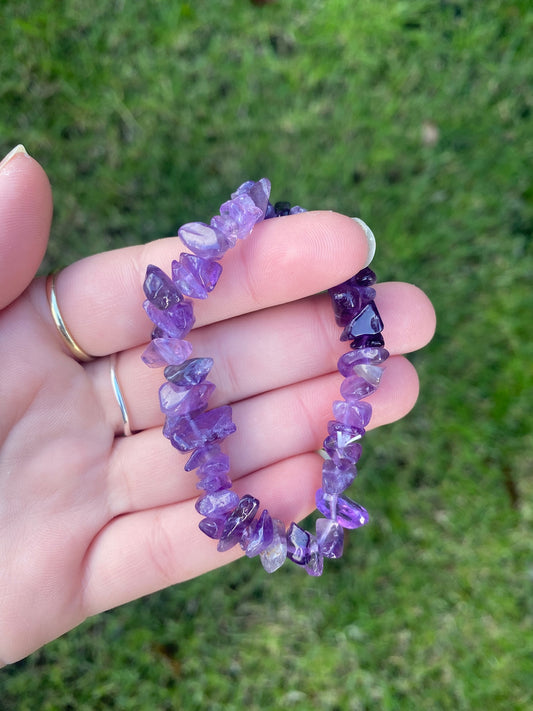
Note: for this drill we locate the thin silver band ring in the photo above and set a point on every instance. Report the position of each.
(118, 395)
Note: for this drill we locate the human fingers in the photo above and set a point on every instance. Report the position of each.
(150, 548)
(266, 350)
(146, 471)
(284, 259)
(25, 217)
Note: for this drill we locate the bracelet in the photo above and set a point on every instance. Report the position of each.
(184, 396)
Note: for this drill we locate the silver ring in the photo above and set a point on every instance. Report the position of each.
(118, 395)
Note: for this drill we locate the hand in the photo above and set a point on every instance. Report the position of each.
(90, 519)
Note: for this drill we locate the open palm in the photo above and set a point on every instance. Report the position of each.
(90, 519)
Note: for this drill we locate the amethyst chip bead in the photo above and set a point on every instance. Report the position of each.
(184, 397)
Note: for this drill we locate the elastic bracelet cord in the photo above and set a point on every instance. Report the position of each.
(184, 397)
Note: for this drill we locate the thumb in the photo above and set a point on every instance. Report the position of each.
(25, 218)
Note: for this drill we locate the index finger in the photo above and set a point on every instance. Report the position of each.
(283, 259)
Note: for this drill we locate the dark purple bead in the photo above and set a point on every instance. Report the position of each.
(367, 294)
(346, 302)
(203, 455)
(370, 356)
(337, 477)
(351, 451)
(355, 413)
(191, 372)
(215, 504)
(160, 290)
(202, 239)
(349, 514)
(298, 544)
(370, 341)
(174, 322)
(365, 277)
(161, 351)
(192, 432)
(195, 276)
(330, 536)
(212, 527)
(282, 208)
(259, 535)
(242, 515)
(175, 400)
(367, 322)
(356, 388)
(270, 212)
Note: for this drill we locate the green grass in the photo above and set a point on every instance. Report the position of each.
(416, 115)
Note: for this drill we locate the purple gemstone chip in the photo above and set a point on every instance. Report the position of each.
(330, 536)
(202, 455)
(338, 449)
(190, 372)
(162, 351)
(298, 544)
(174, 322)
(214, 482)
(355, 413)
(259, 192)
(349, 514)
(260, 535)
(195, 276)
(217, 503)
(275, 554)
(202, 240)
(337, 477)
(241, 516)
(243, 214)
(177, 401)
(367, 322)
(315, 560)
(346, 302)
(188, 433)
(356, 388)
(160, 290)
(212, 527)
(369, 356)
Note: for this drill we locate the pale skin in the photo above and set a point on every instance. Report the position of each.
(90, 519)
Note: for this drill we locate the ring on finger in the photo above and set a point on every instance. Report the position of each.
(118, 395)
(61, 326)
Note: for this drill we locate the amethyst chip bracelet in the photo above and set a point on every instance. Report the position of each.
(184, 397)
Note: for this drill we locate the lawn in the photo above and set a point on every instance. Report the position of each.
(417, 116)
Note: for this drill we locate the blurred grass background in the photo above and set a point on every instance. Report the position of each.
(417, 116)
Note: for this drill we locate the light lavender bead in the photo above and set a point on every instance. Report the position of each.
(330, 536)
(274, 556)
(215, 504)
(166, 351)
(315, 560)
(202, 239)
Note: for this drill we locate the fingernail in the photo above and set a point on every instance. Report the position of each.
(369, 238)
(4, 169)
